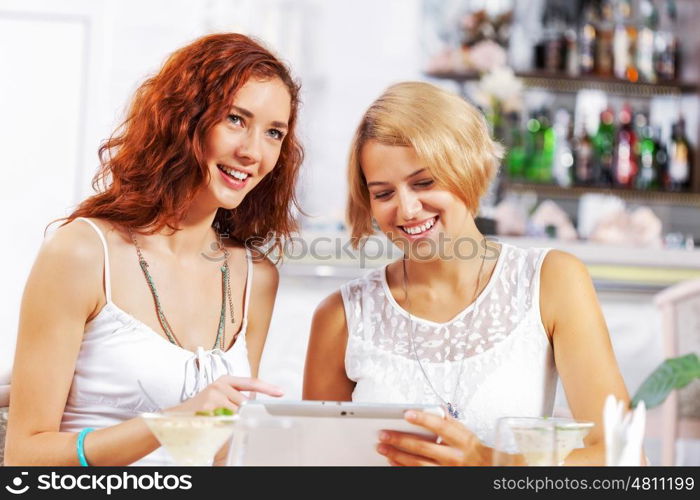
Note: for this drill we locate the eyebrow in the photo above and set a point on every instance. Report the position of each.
(407, 177)
(249, 114)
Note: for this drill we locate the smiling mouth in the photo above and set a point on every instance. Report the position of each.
(418, 229)
(233, 173)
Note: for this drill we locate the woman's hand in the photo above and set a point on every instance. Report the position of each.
(225, 392)
(456, 445)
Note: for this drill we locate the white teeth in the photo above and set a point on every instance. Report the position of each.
(420, 229)
(234, 173)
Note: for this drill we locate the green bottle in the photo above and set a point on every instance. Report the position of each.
(515, 158)
(533, 148)
(660, 159)
(647, 179)
(540, 146)
(549, 142)
(603, 145)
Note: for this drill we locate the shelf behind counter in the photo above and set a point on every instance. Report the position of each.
(612, 268)
(561, 82)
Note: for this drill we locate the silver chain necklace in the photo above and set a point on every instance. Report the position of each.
(452, 408)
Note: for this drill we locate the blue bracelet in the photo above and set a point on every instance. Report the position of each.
(80, 445)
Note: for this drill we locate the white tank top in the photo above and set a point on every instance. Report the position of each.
(497, 347)
(124, 368)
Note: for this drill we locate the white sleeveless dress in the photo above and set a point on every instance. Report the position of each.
(124, 368)
(497, 347)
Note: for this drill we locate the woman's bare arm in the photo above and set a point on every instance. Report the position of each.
(582, 349)
(262, 302)
(324, 374)
(63, 291)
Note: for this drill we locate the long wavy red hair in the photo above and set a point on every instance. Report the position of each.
(154, 164)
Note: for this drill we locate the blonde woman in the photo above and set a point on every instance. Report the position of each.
(480, 327)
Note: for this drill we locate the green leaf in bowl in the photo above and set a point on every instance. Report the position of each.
(223, 411)
(216, 412)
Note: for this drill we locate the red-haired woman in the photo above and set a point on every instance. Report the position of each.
(151, 296)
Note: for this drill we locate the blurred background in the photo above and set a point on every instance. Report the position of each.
(596, 101)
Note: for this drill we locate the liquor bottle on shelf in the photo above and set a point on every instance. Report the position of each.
(548, 145)
(545, 48)
(540, 148)
(624, 43)
(625, 162)
(666, 44)
(551, 51)
(604, 41)
(631, 72)
(533, 147)
(554, 46)
(680, 159)
(647, 179)
(587, 41)
(603, 142)
(640, 121)
(563, 161)
(515, 158)
(571, 57)
(645, 41)
(660, 158)
(584, 158)
(620, 50)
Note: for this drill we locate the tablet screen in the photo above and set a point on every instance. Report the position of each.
(317, 432)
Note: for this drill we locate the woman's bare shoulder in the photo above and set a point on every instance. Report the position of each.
(264, 267)
(566, 288)
(69, 269)
(330, 312)
(561, 268)
(75, 243)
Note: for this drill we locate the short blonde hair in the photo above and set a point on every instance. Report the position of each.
(448, 135)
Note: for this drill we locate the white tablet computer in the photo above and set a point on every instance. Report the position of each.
(273, 432)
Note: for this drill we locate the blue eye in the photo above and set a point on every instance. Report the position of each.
(235, 119)
(276, 134)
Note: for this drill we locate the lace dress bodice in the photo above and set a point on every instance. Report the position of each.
(497, 347)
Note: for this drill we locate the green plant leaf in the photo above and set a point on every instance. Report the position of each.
(674, 373)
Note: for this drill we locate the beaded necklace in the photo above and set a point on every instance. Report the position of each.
(225, 294)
